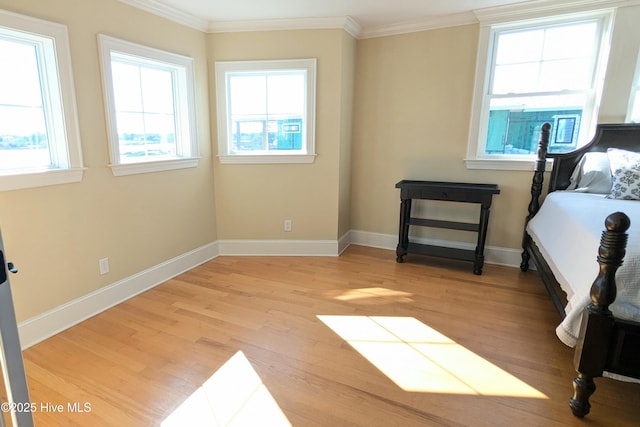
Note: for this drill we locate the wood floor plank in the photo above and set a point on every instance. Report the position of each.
(136, 363)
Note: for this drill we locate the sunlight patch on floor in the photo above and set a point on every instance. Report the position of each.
(373, 295)
(418, 358)
(233, 396)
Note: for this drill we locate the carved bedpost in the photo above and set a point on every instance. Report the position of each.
(596, 330)
(536, 188)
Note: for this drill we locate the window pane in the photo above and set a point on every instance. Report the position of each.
(265, 112)
(515, 122)
(248, 95)
(510, 46)
(570, 41)
(20, 82)
(541, 74)
(23, 134)
(127, 92)
(554, 75)
(545, 59)
(157, 91)
(286, 94)
(517, 78)
(144, 103)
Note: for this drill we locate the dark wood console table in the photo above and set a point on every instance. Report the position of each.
(451, 192)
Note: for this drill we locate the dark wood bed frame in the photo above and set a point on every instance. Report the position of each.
(605, 342)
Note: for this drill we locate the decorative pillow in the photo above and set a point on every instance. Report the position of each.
(625, 168)
(592, 174)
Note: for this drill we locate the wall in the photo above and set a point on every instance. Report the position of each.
(411, 121)
(253, 200)
(57, 234)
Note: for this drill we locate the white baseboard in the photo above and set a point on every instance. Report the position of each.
(49, 323)
(492, 254)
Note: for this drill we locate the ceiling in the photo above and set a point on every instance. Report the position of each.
(368, 16)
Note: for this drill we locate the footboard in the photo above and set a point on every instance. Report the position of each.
(605, 344)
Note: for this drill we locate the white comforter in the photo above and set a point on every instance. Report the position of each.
(567, 229)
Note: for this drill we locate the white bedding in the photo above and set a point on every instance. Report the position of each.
(567, 229)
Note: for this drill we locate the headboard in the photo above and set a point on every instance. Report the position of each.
(625, 136)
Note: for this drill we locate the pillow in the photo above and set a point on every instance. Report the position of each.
(625, 168)
(592, 174)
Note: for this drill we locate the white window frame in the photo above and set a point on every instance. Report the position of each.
(57, 87)
(181, 68)
(634, 95)
(224, 69)
(489, 26)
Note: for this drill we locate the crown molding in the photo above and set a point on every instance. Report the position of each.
(431, 23)
(515, 11)
(519, 11)
(156, 8)
(346, 23)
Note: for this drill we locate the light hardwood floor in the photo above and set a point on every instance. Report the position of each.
(256, 319)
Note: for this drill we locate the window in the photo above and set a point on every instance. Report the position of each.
(149, 96)
(39, 138)
(633, 115)
(266, 111)
(537, 71)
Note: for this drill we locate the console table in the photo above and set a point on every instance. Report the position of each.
(451, 192)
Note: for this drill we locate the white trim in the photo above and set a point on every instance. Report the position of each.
(431, 23)
(47, 324)
(505, 164)
(346, 23)
(268, 158)
(41, 178)
(153, 166)
(536, 9)
(350, 25)
(159, 9)
(278, 247)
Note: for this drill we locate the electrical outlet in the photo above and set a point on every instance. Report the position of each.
(287, 225)
(104, 265)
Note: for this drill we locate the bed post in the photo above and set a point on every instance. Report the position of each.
(536, 189)
(596, 330)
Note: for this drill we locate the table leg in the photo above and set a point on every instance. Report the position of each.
(403, 232)
(482, 236)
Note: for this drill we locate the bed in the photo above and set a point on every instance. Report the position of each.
(584, 240)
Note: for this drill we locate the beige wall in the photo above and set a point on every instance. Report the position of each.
(252, 201)
(411, 120)
(57, 234)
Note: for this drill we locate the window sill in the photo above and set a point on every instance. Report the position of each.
(40, 178)
(153, 166)
(268, 158)
(505, 164)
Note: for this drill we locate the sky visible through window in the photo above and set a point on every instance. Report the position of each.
(145, 111)
(22, 129)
